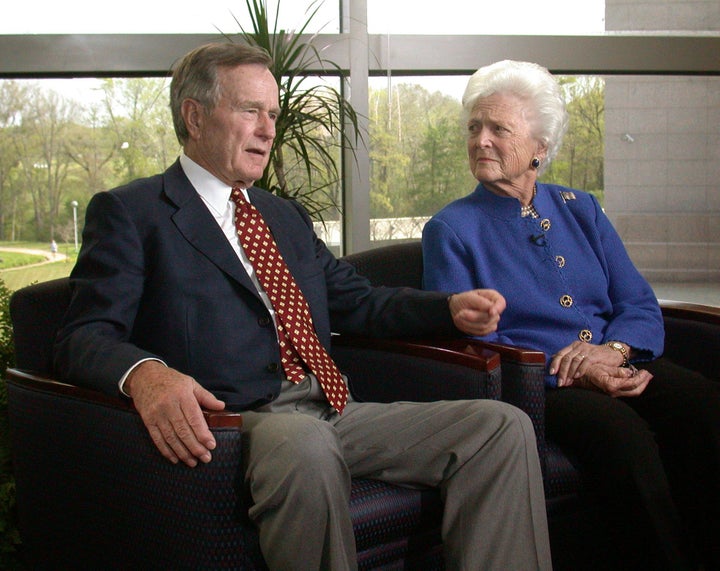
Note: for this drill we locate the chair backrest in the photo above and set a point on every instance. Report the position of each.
(692, 336)
(36, 312)
(396, 265)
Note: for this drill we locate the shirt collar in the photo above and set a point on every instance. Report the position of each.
(214, 191)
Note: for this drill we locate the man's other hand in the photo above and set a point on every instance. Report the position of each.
(477, 312)
(170, 404)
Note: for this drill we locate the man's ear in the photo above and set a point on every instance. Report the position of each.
(192, 113)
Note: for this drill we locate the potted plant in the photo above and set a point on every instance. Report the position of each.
(310, 138)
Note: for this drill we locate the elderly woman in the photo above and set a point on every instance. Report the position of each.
(647, 440)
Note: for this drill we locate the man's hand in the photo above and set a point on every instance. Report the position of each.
(170, 404)
(477, 312)
(614, 381)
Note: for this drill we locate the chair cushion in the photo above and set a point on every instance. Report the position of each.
(37, 312)
(395, 526)
(109, 501)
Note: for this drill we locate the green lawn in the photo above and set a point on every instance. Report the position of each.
(45, 246)
(18, 269)
(18, 277)
(18, 259)
(15, 279)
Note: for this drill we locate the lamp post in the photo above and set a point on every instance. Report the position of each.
(74, 205)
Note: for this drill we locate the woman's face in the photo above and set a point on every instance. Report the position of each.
(501, 145)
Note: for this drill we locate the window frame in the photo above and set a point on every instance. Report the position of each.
(152, 55)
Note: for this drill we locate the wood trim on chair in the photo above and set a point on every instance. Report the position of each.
(515, 354)
(690, 311)
(222, 419)
(455, 351)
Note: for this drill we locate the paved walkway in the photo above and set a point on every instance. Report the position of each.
(49, 257)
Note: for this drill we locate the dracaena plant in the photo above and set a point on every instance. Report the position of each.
(307, 152)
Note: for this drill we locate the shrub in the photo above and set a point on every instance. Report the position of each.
(9, 535)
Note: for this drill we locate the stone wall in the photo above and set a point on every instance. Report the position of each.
(662, 153)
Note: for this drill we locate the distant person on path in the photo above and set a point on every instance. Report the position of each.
(53, 248)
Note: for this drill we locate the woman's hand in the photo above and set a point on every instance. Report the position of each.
(614, 381)
(575, 360)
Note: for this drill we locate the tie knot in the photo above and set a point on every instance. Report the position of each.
(237, 196)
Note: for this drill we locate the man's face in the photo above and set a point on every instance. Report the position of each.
(233, 141)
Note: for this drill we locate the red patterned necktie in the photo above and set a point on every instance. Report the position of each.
(296, 333)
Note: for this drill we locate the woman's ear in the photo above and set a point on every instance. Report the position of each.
(542, 151)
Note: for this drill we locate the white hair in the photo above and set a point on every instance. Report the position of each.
(530, 82)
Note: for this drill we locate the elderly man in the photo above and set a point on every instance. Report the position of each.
(195, 290)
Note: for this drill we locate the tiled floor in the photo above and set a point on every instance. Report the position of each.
(705, 293)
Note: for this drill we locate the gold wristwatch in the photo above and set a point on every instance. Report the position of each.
(619, 347)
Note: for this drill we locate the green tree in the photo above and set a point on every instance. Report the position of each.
(441, 172)
(53, 151)
(580, 161)
(388, 162)
(417, 151)
(12, 100)
(139, 119)
(39, 148)
(92, 147)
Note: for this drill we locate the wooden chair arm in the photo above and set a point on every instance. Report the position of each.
(457, 351)
(515, 354)
(690, 311)
(692, 336)
(387, 370)
(215, 420)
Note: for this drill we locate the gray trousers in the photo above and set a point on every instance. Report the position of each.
(300, 456)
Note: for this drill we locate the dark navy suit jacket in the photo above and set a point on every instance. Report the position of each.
(156, 277)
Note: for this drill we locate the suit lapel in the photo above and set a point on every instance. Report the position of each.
(199, 228)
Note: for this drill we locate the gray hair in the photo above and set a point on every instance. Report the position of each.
(195, 76)
(530, 82)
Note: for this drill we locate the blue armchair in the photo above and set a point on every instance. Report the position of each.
(94, 493)
(578, 540)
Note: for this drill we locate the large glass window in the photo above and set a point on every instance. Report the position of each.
(60, 143)
(646, 146)
(418, 155)
(652, 62)
(63, 140)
